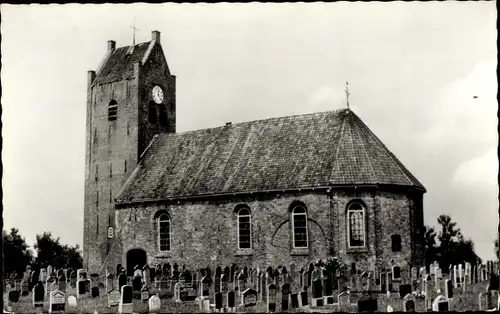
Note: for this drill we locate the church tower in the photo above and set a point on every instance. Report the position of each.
(130, 98)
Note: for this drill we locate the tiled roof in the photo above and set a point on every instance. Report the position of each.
(313, 150)
(120, 65)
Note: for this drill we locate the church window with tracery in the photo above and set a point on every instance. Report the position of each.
(112, 110)
(356, 225)
(164, 233)
(244, 228)
(299, 221)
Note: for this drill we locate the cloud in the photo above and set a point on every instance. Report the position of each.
(326, 98)
(479, 171)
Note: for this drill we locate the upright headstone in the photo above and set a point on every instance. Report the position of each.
(146, 275)
(344, 301)
(441, 304)
(409, 302)
(271, 298)
(285, 296)
(317, 293)
(62, 283)
(57, 301)
(145, 293)
(126, 305)
(122, 280)
(448, 289)
(154, 304)
(38, 294)
(72, 302)
(218, 301)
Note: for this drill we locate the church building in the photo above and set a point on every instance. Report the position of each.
(262, 193)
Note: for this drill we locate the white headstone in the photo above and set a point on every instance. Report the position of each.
(390, 309)
(439, 300)
(154, 303)
(113, 298)
(57, 301)
(72, 301)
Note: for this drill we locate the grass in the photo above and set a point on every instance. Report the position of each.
(462, 301)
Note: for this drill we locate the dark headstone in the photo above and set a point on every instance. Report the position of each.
(218, 300)
(122, 281)
(294, 300)
(303, 298)
(137, 283)
(14, 296)
(94, 292)
(317, 289)
(230, 299)
(38, 294)
(368, 305)
(81, 286)
(493, 283)
(285, 296)
(127, 294)
(271, 298)
(450, 289)
(410, 306)
(444, 306)
(404, 290)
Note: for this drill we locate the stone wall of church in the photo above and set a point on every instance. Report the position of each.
(205, 233)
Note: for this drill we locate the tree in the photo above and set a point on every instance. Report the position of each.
(16, 252)
(448, 237)
(430, 245)
(51, 252)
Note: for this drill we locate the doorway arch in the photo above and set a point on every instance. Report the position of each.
(135, 257)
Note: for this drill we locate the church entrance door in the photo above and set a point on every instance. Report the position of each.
(135, 257)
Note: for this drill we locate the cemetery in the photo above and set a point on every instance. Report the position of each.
(321, 286)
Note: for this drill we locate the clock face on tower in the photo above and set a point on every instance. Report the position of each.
(157, 94)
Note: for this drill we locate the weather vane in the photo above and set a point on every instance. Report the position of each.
(134, 29)
(347, 93)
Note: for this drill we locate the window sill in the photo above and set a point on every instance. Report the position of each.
(163, 254)
(357, 250)
(244, 252)
(299, 252)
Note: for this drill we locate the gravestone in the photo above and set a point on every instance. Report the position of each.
(205, 287)
(448, 289)
(126, 304)
(113, 298)
(94, 292)
(122, 281)
(137, 283)
(441, 304)
(218, 301)
(368, 305)
(109, 282)
(144, 293)
(383, 282)
(294, 300)
(81, 288)
(304, 301)
(231, 300)
(493, 284)
(72, 301)
(57, 301)
(249, 297)
(38, 294)
(409, 303)
(390, 309)
(146, 274)
(271, 298)
(14, 296)
(62, 283)
(317, 293)
(154, 304)
(72, 279)
(344, 301)
(404, 290)
(24, 288)
(177, 292)
(285, 296)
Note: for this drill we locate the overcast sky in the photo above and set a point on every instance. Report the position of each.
(413, 69)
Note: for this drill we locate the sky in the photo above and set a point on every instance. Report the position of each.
(413, 70)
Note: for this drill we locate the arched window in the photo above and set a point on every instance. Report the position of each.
(396, 243)
(152, 112)
(356, 225)
(244, 228)
(163, 114)
(164, 233)
(112, 110)
(299, 221)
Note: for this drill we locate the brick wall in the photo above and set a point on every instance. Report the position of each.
(113, 149)
(204, 233)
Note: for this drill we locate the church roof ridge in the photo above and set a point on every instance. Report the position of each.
(330, 148)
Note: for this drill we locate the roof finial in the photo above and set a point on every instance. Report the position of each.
(347, 93)
(135, 29)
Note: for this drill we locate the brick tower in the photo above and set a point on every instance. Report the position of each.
(130, 98)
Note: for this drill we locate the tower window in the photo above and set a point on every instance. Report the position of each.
(396, 243)
(299, 221)
(164, 233)
(112, 110)
(244, 229)
(356, 225)
(163, 114)
(152, 113)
